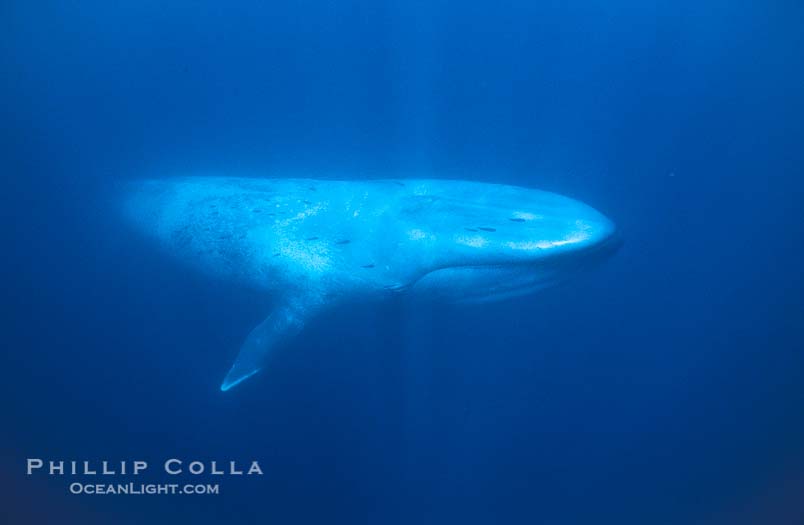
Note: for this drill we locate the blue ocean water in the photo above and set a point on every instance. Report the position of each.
(665, 387)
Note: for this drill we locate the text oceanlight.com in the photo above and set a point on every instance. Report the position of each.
(142, 488)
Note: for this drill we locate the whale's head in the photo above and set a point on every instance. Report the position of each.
(492, 241)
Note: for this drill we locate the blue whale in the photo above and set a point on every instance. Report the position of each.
(316, 244)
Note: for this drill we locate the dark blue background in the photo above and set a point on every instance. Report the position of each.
(666, 387)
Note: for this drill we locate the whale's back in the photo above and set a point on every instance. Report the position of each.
(273, 232)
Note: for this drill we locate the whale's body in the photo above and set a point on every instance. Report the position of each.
(318, 243)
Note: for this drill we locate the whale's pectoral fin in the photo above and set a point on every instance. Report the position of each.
(284, 322)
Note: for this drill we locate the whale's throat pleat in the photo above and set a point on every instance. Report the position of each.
(480, 284)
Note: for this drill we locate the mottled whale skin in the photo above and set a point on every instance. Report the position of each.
(318, 243)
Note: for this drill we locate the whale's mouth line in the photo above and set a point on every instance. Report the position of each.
(586, 256)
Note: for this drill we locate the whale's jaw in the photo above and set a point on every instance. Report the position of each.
(484, 283)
